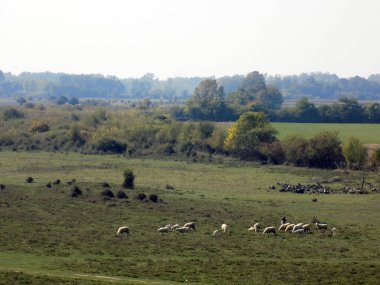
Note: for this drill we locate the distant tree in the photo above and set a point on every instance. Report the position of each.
(269, 98)
(12, 113)
(73, 101)
(305, 111)
(354, 152)
(62, 100)
(207, 102)
(21, 100)
(245, 136)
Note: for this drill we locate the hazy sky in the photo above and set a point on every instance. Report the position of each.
(190, 38)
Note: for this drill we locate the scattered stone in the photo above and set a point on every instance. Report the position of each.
(56, 182)
(154, 198)
(2, 186)
(121, 195)
(48, 185)
(108, 194)
(141, 196)
(105, 185)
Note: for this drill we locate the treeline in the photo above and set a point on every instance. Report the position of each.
(153, 132)
(345, 110)
(316, 86)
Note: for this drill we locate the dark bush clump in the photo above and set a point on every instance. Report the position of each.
(2, 186)
(154, 198)
(71, 182)
(106, 193)
(48, 185)
(105, 185)
(141, 196)
(12, 113)
(121, 195)
(129, 179)
(56, 182)
(110, 145)
(29, 180)
(75, 191)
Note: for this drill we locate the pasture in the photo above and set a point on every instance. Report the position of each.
(367, 133)
(48, 237)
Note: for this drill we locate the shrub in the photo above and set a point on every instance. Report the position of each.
(272, 152)
(110, 145)
(354, 152)
(141, 196)
(121, 195)
(107, 193)
(154, 198)
(12, 113)
(295, 147)
(29, 180)
(324, 150)
(39, 127)
(75, 191)
(129, 179)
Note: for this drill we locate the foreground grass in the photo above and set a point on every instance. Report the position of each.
(51, 237)
(367, 133)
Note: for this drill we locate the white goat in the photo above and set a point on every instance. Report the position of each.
(190, 225)
(223, 227)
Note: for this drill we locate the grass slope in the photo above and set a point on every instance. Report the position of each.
(367, 133)
(47, 236)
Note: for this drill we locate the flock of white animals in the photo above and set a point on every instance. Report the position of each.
(299, 228)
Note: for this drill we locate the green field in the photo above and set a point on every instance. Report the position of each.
(47, 237)
(367, 133)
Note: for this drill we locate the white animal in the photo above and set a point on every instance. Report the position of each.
(306, 228)
(269, 230)
(190, 225)
(333, 230)
(216, 233)
(255, 227)
(289, 228)
(123, 230)
(173, 228)
(183, 229)
(283, 227)
(321, 226)
(224, 227)
(297, 227)
(299, 231)
(164, 230)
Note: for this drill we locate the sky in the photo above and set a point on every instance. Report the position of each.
(171, 38)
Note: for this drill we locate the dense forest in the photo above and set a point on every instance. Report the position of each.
(210, 99)
(314, 86)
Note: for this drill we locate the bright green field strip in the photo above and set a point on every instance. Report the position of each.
(367, 133)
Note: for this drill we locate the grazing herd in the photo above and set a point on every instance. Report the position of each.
(286, 227)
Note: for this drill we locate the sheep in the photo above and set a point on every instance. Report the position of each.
(183, 229)
(333, 230)
(173, 228)
(269, 230)
(297, 227)
(190, 225)
(255, 227)
(299, 224)
(289, 228)
(216, 233)
(224, 227)
(283, 227)
(123, 230)
(321, 226)
(306, 228)
(299, 231)
(164, 230)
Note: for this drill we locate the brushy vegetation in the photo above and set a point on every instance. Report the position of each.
(50, 234)
(133, 133)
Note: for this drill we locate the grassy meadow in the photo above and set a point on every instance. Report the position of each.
(367, 133)
(47, 237)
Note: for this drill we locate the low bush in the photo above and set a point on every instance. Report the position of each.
(109, 145)
(129, 179)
